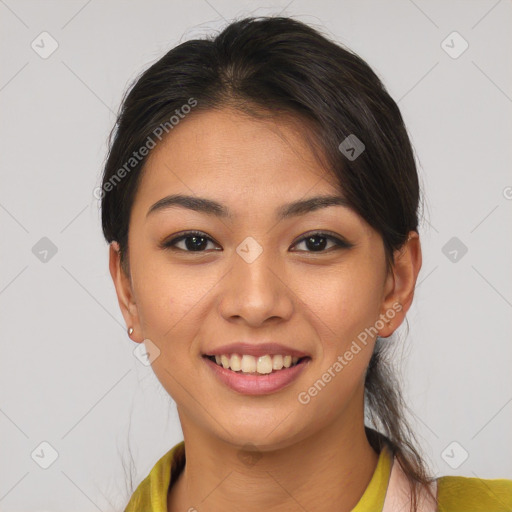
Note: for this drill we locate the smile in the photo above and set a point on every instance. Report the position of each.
(251, 375)
(251, 365)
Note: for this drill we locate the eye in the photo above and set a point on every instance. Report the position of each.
(317, 242)
(194, 241)
(197, 241)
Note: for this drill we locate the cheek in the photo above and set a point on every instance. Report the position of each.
(345, 301)
(170, 302)
(343, 305)
(169, 299)
(162, 295)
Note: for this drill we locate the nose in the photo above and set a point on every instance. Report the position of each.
(255, 291)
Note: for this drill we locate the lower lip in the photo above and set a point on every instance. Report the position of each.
(257, 384)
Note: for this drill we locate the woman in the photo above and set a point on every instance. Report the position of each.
(260, 199)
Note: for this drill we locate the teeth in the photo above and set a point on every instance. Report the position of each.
(277, 362)
(250, 364)
(264, 364)
(235, 363)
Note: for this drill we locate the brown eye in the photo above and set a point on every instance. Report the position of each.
(193, 241)
(196, 241)
(316, 242)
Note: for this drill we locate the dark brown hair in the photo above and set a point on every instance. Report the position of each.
(281, 66)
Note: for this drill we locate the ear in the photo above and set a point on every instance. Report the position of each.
(124, 292)
(400, 284)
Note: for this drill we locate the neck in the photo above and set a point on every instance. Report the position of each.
(335, 465)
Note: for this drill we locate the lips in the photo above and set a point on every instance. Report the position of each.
(256, 350)
(254, 384)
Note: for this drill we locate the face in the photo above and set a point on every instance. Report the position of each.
(311, 281)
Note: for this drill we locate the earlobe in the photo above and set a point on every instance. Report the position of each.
(123, 289)
(401, 284)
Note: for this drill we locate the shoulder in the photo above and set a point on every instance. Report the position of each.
(151, 493)
(465, 494)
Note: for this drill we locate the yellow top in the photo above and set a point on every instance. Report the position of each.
(455, 493)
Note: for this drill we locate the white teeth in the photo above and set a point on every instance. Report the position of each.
(264, 364)
(235, 363)
(250, 364)
(277, 362)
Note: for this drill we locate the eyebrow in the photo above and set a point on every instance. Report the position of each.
(211, 207)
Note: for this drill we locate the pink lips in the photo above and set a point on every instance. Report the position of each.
(251, 349)
(257, 384)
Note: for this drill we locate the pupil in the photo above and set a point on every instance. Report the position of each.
(191, 246)
(320, 245)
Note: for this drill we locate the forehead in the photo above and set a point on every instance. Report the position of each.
(224, 151)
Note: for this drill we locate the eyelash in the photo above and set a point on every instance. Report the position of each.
(338, 243)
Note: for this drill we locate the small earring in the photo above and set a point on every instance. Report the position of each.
(130, 331)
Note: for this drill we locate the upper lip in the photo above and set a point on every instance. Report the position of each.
(256, 350)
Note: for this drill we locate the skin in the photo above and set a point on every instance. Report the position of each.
(308, 456)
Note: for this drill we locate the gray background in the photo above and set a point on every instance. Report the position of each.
(68, 376)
